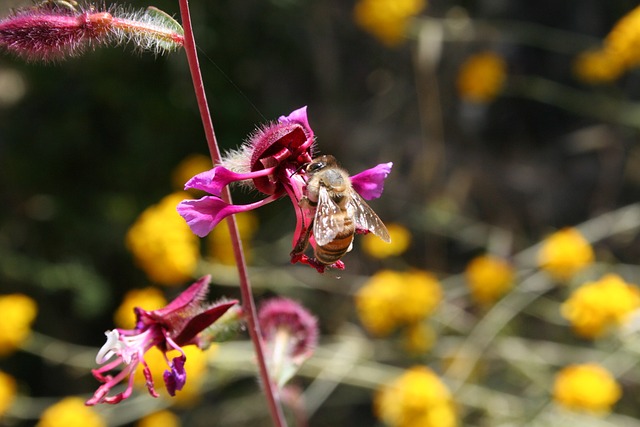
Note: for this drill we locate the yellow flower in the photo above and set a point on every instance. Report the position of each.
(595, 307)
(418, 338)
(481, 77)
(18, 313)
(391, 299)
(387, 19)
(597, 66)
(7, 392)
(190, 166)
(489, 278)
(564, 253)
(587, 387)
(70, 412)
(147, 299)
(416, 399)
(375, 247)
(623, 40)
(160, 419)
(162, 243)
(219, 240)
(196, 366)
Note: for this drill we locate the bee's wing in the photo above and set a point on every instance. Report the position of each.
(365, 218)
(328, 221)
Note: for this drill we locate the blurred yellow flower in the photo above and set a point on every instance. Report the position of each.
(162, 243)
(387, 19)
(8, 390)
(587, 387)
(564, 253)
(390, 299)
(597, 66)
(189, 167)
(147, 299)
(596, 307)
(488, 278)
(481, 77)
(219, 240)
(70, 412)
(418, 338)
(160, 419)
(377, 248)
(416, 399)
(18, 313)
(196, 366)
(623, 39)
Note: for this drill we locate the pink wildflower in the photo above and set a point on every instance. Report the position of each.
(291, 335)
(178, 324)
(272, 162)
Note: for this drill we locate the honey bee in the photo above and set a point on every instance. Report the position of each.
(339, 211)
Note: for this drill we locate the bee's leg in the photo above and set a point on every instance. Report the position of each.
(303, 241)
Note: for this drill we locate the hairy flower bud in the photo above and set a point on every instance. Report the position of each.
(56, 30)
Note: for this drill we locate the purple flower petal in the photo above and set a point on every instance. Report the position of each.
(205, 213)
(370, 183)
(214, 180)
(298, 116)
(176, 378)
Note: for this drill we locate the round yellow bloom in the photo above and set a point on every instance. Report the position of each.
(387, 19)
(595, 307)
(219, 240)
(564, 253)
(488, 278)
(377, 248)
(160, 419)
(416, 399)
(481, 77)
(18, 313)
(195, 366)
(391, 299)
(162, 243)
(587, 387)
(623, 40)
(70, 412)
(147, 299)
(418, 338)
(7, 392)
(597, 66)
(189, 167)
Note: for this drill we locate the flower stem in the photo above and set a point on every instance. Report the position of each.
(245, 286)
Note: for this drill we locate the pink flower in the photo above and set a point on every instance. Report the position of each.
(290, 333)
(172, 327)
(272, 162)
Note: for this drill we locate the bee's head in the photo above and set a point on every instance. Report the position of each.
(320, 163)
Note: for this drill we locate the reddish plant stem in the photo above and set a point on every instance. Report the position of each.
(245, 286)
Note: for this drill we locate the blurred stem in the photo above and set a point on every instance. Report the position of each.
(576, 101)
(245, 286)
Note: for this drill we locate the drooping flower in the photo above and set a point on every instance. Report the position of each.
(596, 307)
(564, 253)
(488, 278)
(587, 387)
(418, 398)
(481, 77)
(170, 328)
(391, 299)
(54, 30)
(290, 333)
(271, 162)
(387, 19)
(18, 313)
(70, 412)
(161, 243)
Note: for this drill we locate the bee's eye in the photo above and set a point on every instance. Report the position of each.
(315, 166)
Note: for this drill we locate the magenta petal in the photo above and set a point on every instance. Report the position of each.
(193, 295)
(370, 183)
(214, 180)
(176, 378)
(298, 116)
